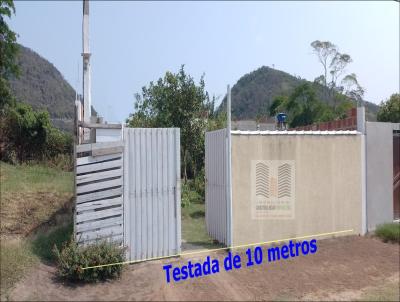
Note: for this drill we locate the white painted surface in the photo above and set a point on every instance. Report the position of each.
(379, 173)
(361, 119)
(108, 135)
(99, 203)
(216, 185)
(228, 172)
(132, 197)
(87, 89)
(152, 192)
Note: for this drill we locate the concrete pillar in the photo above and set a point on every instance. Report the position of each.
(87, 96)
(361, 119)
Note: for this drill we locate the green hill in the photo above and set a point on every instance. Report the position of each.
(43, 86)
(254, 93)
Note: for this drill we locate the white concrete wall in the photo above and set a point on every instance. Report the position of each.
(379, 170)
(327, 185)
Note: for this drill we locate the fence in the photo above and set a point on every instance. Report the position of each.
(312, 183)
(99, 201)
(216, 184)
(152, 192)
(128, 189)
(348, 123)
(285, 184)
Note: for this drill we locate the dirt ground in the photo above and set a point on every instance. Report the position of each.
(342, 269)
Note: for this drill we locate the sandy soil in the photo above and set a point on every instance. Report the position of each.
(340, 270)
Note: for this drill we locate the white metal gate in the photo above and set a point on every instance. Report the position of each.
(99, 201)
(216, 170)
(152, 207)
(129, 191)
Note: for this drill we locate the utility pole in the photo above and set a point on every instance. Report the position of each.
(229, 170)
(87, 94)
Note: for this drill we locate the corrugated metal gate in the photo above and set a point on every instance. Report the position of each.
(216, 184)
(128, 191)
(152, 203)
(396, 174)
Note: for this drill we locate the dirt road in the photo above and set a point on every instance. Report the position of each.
(343, 268)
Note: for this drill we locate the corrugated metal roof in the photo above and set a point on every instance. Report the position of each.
(294, 132)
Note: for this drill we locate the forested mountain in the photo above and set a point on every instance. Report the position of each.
(43, 86)
(254, 93)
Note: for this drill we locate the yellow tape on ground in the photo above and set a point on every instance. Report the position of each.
(218, 249)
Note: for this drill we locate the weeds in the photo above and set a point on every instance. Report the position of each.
(388, 232)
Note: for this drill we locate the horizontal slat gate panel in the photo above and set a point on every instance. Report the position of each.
(98, 176)
(105, 151)
(109, 222)
(102, 233)
(85, 188)
(99, 166)
(83, 148)
(98, 214)
(98, 204)
(98, 195)
(99, 200)
(118, 239)
(98, 146)
(92, 160)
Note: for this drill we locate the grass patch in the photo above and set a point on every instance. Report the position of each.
(42, 245)
(31, 195)
(16, 257)
(34, 178)
(388, 232)
(385, 292)
(194, 229)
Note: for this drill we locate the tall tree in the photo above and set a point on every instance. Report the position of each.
(8, 52)
(177, 101)
(334, 63)
(325, 52)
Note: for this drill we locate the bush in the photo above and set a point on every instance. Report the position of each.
(189, 195)
(27, 135)
(199, 183)
(388, 232)
(58, 142)
(64, 162)
(73, 257)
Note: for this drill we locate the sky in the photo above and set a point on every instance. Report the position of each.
(133, 43)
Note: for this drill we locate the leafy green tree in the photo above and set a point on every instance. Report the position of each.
(389, 110)
(302, 107)
(27, 134)
(278, 105)
(26, 131)
(177, 101)
(8, 53)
